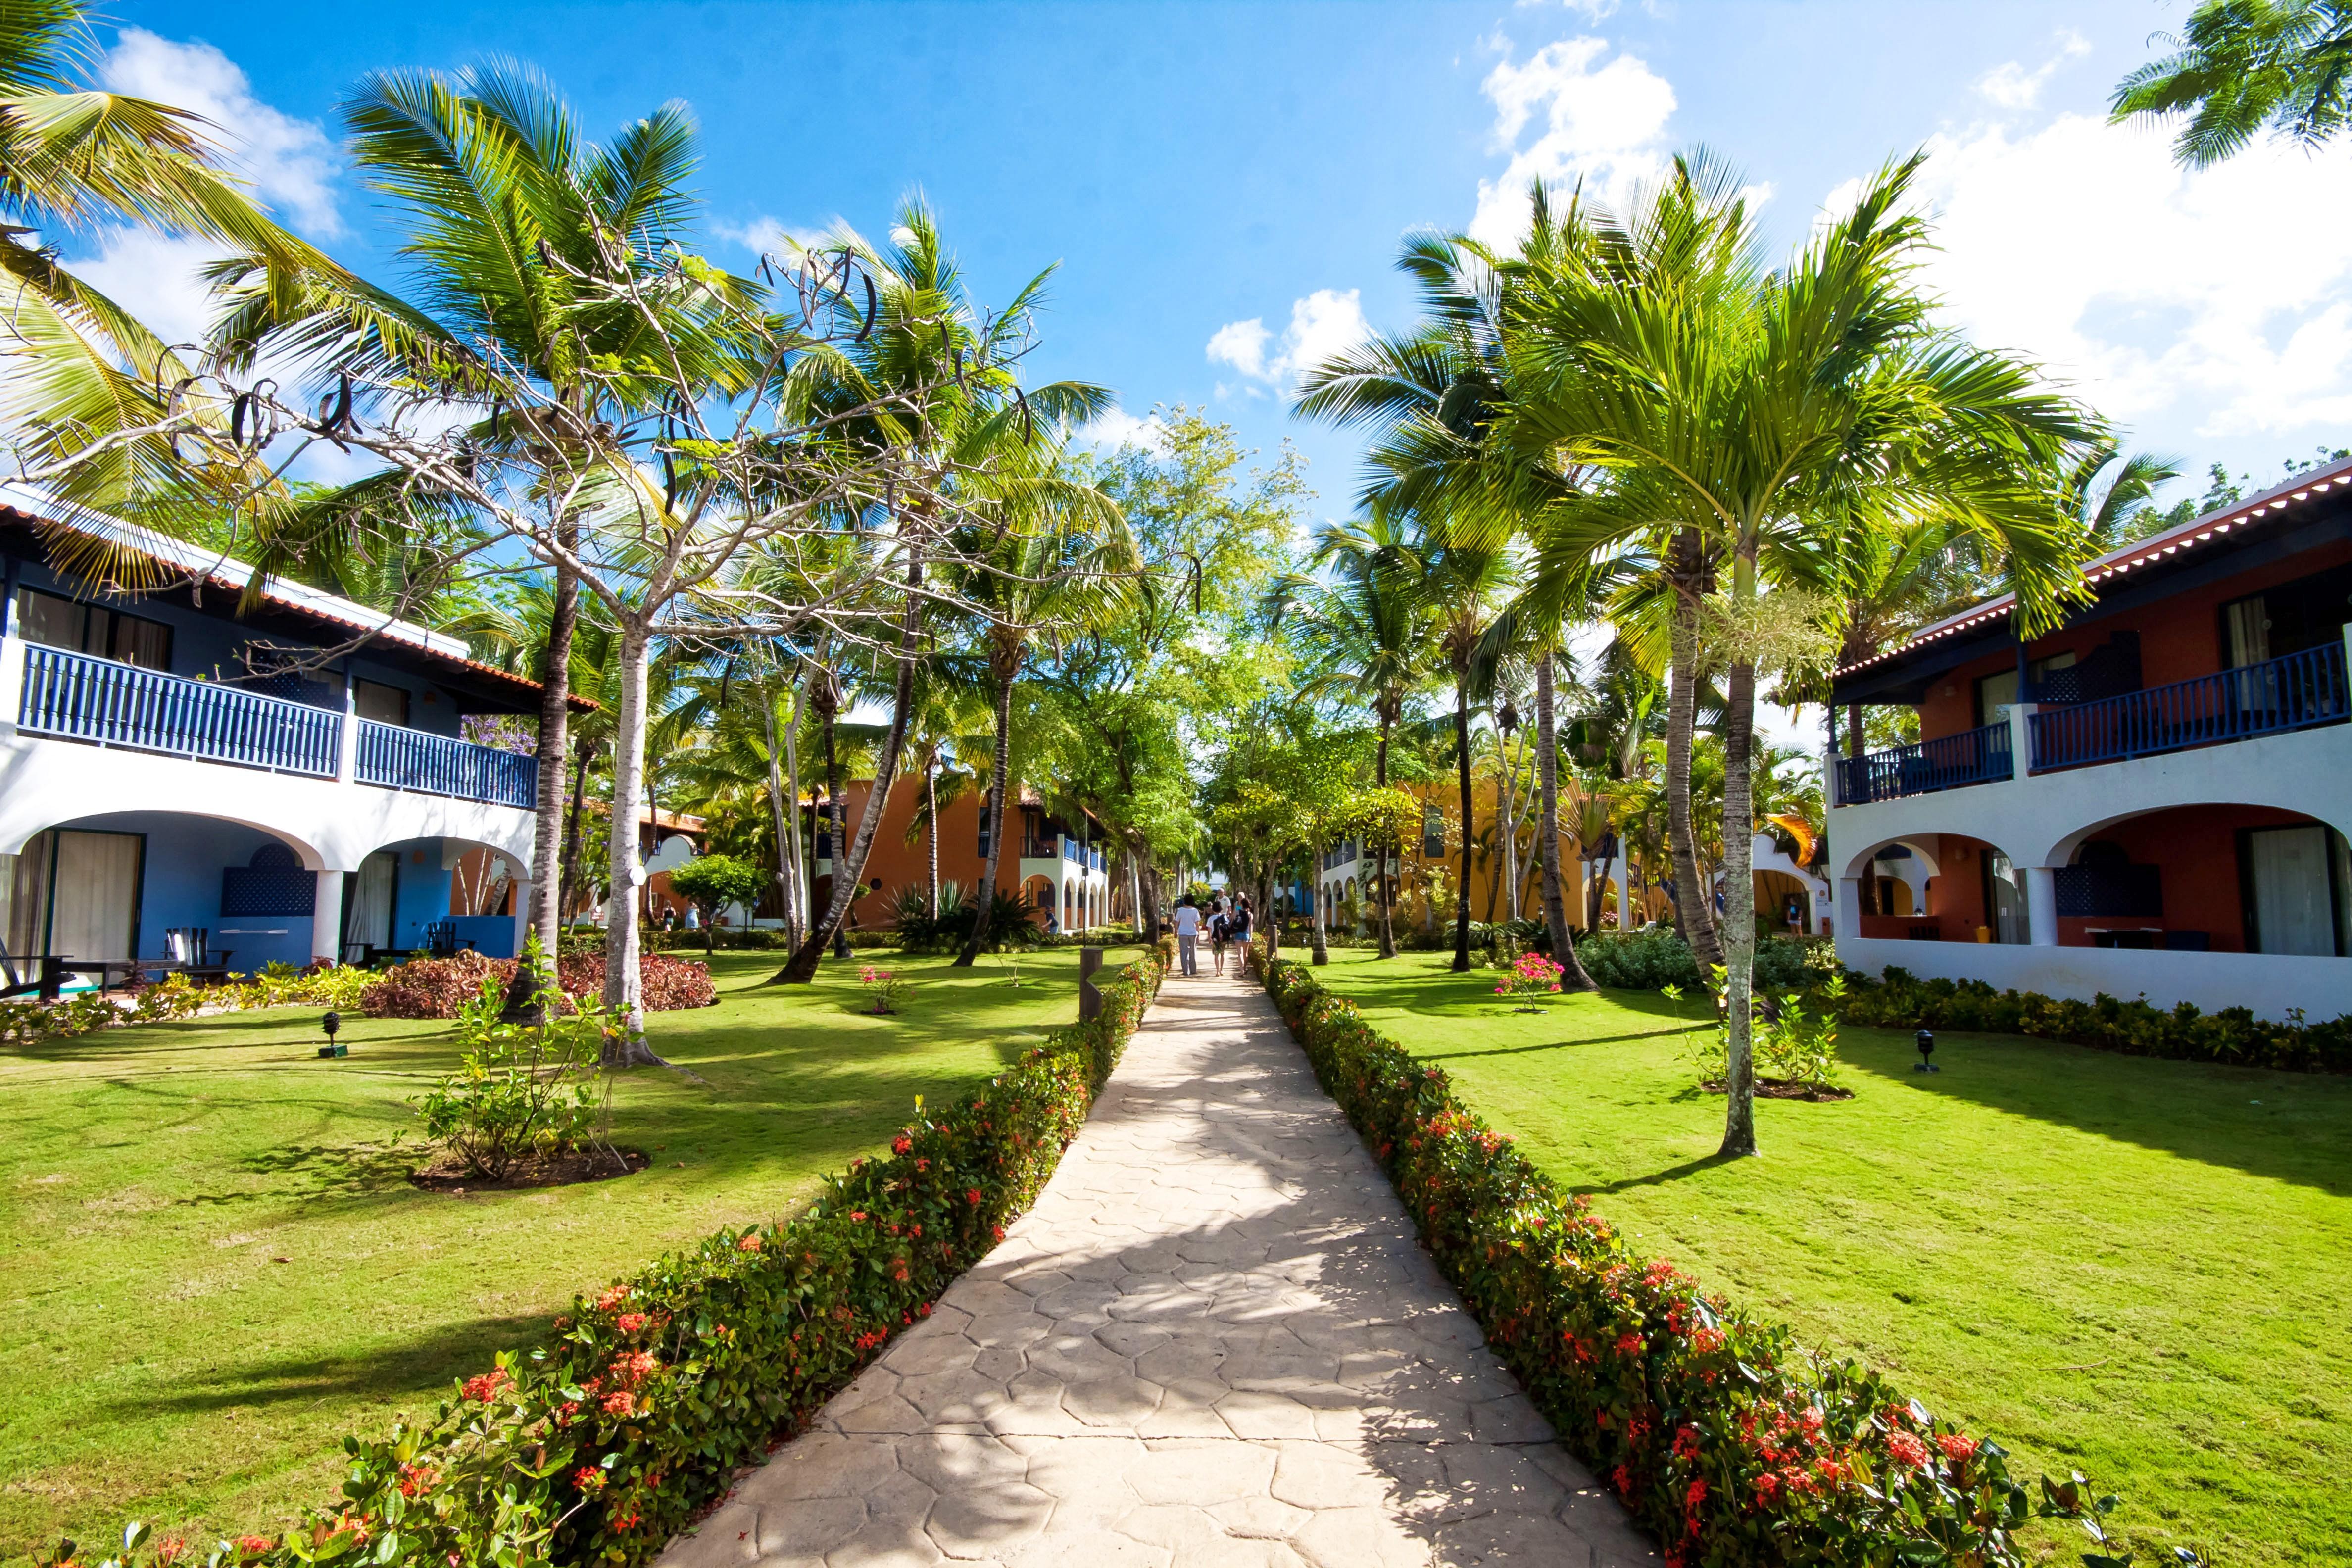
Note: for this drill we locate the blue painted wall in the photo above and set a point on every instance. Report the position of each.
(181, 886)
(424, 893)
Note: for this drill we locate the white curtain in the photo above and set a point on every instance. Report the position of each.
(2292, 911)
(25, 888)
(371, 900)
(96, 894)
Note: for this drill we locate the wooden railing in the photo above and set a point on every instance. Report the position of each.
(396, 758)
(115, 704)
(2295, 693)
(1949, 762)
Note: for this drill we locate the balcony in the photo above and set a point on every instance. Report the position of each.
(1949, 762)
(2296, 692)
(84, 699)
(393, 757)
(75, 697)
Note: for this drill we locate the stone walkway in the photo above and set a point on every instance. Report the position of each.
(1214, 1341)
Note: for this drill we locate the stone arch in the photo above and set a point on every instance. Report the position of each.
(2062, 851)
(1917, 842)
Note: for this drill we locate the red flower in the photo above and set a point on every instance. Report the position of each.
(1623, 1481)
(255, 1543)
(485, 1388)
(1697, 1495)
(413, 1481)
(901, 1144)
(924, 1310)
(1706, 1341)
(1686, 1443)
(971, 1197)
(1767, 1489)
(629, 1322)
(588, 1478)
(857, 1213)
(1628, 1345)
(613, 1297)
(1957, 1448)
(620, 1402)
(749, 1244)
(1905, 1449)
(997, 1231)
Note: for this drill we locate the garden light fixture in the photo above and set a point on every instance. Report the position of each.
(331, 1023)
(1926, 1040)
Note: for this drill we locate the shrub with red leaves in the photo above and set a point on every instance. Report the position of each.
(434, 987)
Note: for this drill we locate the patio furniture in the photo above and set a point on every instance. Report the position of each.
(49, 974)
(441, 939)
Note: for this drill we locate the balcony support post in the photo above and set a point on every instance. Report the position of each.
(1846, 910)
(2041, 905)
(2021, 738)
(347, 748)
(11, 651)
(327, 918)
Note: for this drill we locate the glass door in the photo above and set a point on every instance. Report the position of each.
(2290, 888)
(2005, 900)
(94, 894)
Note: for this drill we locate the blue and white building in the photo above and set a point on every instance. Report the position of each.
(292, 779)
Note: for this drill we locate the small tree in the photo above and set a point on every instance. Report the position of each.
(711, 882)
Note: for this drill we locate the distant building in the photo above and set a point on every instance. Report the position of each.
(1054, 866)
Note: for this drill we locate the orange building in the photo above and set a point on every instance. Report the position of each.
(1062, 869)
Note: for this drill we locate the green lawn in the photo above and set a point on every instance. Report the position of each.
(211, 1265)
(2133, 1268)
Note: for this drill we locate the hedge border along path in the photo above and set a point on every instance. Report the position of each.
(596, 1448)
(1726, 1442)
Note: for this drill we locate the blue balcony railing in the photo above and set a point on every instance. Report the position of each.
(2295, 693)
(115, 704)
(1949, 762)
(434, 765)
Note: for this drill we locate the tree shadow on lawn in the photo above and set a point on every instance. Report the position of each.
(421, 1364)
(2289, 1127)
(1550, 1045)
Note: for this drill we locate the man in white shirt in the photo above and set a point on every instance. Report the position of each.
(1188, 936)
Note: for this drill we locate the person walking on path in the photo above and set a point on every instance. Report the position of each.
(1220, 928)
(1188, 936)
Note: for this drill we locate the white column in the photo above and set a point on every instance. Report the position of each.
(2041, 905)
(1845, 913)
(327, 918)
(1830, 776)
(1626, 917)
(12, 683)
(347, 757)
(2020, 738)
(521, 907)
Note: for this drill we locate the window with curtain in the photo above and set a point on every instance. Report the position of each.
(373, 891)
(27, 892)
(2290, 878)
(94, 895)
(56, 621)
(384, 704)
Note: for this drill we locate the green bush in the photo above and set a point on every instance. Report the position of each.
(1901, 1000)
(1646, 961)
(599, 1445)
(519, 1089)
(1726, 1441)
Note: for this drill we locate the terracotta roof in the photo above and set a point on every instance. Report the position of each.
(2193, 535)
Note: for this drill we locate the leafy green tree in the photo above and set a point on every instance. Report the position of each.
(2239, 66)
(711, 882)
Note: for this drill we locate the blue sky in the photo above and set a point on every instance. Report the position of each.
(1224, 185)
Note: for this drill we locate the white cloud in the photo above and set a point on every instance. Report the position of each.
(1118, 429)
(1602, 120)
(1323, 325)
(290, 161)
(2011, 86)
(2217, 303)
(766, 236)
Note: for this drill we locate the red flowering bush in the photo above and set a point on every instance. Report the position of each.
(600, 1445)
(437, 988)
(1727, 1442)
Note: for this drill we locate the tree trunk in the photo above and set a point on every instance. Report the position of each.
(997, 791)
(571, 885)
(1563, 940)
(931, 821)
(1322, 946)
(1381, 860)
(837, 811)
(623, 981)
(787, 823)
(1692, 914)
(1462, 760)
(1739, 890)
(850, 867)
(547, 832)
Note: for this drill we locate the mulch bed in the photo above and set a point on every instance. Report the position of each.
(1785, 1089)
(448, 1173)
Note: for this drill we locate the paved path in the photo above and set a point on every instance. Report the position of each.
(1213, 1342)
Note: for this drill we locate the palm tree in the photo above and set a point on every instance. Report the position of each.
(2107, 511)
(1365, 632)
(1744, 415)
(84, 372)
(2242, 65)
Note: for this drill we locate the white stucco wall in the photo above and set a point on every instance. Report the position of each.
(2268, 983)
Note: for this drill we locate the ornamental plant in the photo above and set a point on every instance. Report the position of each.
(1728, 1442)
(885, 989)
(520, 1088)
(598, 1446)
(1531, 975)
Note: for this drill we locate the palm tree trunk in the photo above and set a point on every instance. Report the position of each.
(1462, 759)
(1739, 890)
(996, 792)
(571, 885)
(1555, 907)
(1380, 863)
(1692, 914)
(837, 811)
(547, 831)
(931, 821)
(787, 841)
(624, 978)
(1322, 948)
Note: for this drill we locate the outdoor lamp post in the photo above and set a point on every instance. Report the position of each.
(1926, 1040)
(331, 1023)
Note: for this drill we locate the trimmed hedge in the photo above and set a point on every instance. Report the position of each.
(437, 988)
(1725, 1440)
(598, 1446)
(2232, 1036)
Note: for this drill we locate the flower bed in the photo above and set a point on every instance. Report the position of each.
(1720, 1435)
(1901, 1000)
(437, 988)
(598, 1446)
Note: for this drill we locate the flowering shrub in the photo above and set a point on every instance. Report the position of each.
(597, 1447)
(1532, 974)
(1721, 1437)
(438, 987)
(1901, 1000)
(886, 988)
(24, 1020)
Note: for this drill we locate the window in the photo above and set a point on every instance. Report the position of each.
(384, 704)
(2293, 616)
(56, 621)
(1433, 834)
(2292, 878)
(2004, 896)
(1995, 694)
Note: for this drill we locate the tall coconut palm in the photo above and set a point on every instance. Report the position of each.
(1747, 414)
(2240, 65)
(81, 372)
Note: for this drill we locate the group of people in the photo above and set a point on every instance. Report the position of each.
(1224, 926)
